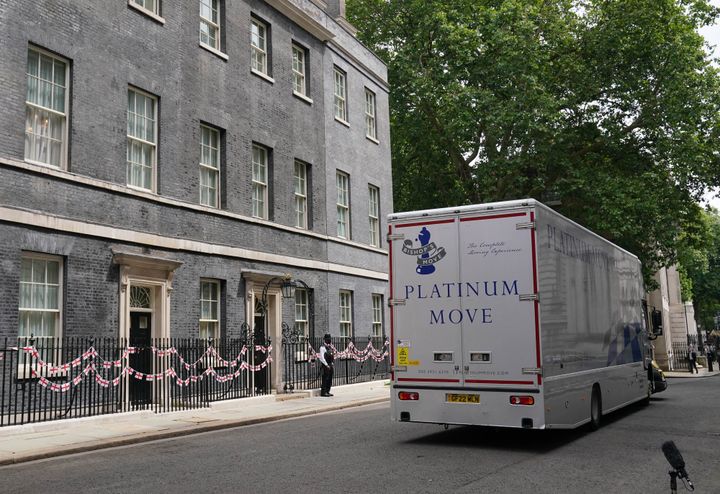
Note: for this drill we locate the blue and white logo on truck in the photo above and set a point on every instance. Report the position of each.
(427, 254)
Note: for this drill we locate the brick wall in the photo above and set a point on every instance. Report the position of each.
(111, 46)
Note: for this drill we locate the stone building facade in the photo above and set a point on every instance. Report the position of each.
(164, 163)
(678, 320)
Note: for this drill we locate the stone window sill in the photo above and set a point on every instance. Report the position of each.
(146, 12)
(214, 51)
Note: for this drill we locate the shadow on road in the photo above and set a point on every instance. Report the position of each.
(537, 441)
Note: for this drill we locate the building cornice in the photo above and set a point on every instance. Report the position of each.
(337, 48)
(301, 18)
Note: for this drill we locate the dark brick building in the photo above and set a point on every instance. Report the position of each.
(161, 162)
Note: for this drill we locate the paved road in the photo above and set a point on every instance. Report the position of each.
(359, 450)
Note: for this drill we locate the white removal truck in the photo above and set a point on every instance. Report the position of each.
(509, 314)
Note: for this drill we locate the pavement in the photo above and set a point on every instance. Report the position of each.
(702, 372)
(22, 443)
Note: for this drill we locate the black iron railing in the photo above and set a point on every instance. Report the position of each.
(679, 360)
(43, 379)
(354, 362)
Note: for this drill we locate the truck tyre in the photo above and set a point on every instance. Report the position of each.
(646, 400)
(595, 408)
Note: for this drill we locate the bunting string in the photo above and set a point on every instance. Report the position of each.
(170, 374)
(210, 359)
(352, 352)
(210, 355)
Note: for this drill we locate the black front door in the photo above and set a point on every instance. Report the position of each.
(141, 361)
(261, 376)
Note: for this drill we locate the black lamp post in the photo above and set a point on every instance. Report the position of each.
(287, 288)
(291, 335)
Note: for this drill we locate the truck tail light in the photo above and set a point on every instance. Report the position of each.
(408, 396)
(522, 400)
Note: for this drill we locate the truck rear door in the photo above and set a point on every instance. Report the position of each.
(426, 317)
(498, 278)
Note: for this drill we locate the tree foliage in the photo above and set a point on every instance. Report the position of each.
(610, 108)
(699, 267)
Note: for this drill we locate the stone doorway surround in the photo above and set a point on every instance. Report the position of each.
(255, 282)
(148, 271)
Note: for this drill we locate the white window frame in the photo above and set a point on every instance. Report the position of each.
(204, 149)
(340, 95)
(302, 311)
(208, 324)
(299, 70)
(134, 139)
(24, 312)
(345, 320)
(374, 215)
(377, 317)
(213, 25)
(153, 12)
(343, 205)
(259, 49)
(301, 194)
(38, 109)
(370, 112)
(260, 182)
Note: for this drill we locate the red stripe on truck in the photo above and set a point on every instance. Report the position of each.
(392, 321)
(487, 381)
(428, 380)
(493, 217)
(423, 223)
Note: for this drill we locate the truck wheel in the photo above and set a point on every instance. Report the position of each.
(646, 400)
(595, 409)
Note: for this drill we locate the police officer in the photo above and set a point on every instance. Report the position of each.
(326, 359)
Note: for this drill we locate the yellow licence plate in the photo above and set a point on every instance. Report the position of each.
(458, 398)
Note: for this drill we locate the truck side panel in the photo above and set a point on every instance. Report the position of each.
(591, 320)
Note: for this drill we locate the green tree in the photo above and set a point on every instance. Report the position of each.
(610, 107)
(699, 267)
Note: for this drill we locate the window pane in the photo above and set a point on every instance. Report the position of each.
(53, 272)
(209, 309)
(45, 94)
(51, 301)
(45, 130)
(298, 69)
(59, 99)
(59, 72)
(141, 125)
(33, 63)
(38, 271)
(25, 295)
(259, 47)
(204, 332)
(50, 324)
(26, 270)
(32, 89)
(24, 326)
(35, 323)
(210, 162)
(46, 68)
